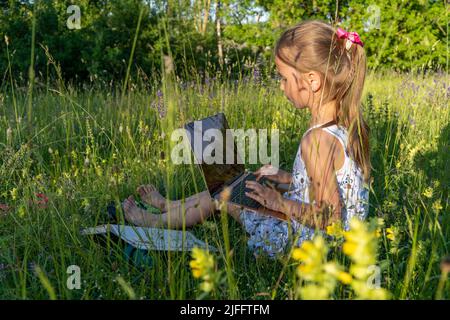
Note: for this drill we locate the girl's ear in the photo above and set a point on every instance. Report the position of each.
(314, 81)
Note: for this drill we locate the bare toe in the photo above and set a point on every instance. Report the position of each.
(150, 195)
(133, 213)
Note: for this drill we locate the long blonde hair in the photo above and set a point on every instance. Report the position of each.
(314, 45)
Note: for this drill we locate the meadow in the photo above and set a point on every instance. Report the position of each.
(68, 151)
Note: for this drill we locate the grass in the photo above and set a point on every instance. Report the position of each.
(87, 146)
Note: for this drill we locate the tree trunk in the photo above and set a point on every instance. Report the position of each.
(207, 6)
(219, 33)
(197, 15)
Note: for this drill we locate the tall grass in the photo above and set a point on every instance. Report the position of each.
(84, 147)
(89, 147)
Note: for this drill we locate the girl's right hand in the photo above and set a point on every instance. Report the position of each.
(273, 173)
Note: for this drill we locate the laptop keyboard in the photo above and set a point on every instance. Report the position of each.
(238, 192)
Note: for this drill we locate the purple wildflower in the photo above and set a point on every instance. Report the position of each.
(414, 87)
(256, 75)
(411, 120)
(159, 105)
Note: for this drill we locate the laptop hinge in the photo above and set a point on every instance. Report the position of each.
(228, 183)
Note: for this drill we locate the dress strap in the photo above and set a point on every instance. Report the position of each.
(321, 125)
(339, 133)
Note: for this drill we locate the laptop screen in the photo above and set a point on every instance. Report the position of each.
(216, 174)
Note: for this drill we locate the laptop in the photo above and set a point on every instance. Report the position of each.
(218, 176)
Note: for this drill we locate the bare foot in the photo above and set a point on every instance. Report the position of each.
(151, 196)
(138, 216)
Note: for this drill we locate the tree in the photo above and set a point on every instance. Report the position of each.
(410, 34)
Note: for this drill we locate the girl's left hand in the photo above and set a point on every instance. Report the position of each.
(268, 197)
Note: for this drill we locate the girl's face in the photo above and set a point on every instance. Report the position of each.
(299, 89)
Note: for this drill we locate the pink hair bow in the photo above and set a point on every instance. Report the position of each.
(352, 37)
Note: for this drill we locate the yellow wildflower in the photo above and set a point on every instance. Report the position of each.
(312, 254)
(14, 193)
(278, 115)
(85, 204)
(360, 244)
(98, 171)
(22, 211)
(201, 262)
(319, 274)
(437, 206)
(336, 270)
(380, 222)
(390, 233)
(314, 292)
(299, 254)
(428, 193)
(367, 292)
(349, 248)
(361, 247)
(206, 286)
(378, 233)
(335, 230)
(344, 277)
(202, 266)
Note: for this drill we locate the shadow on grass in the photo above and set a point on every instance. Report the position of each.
(435, 164)
(385, 132)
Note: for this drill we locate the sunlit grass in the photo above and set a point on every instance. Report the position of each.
(85, 148)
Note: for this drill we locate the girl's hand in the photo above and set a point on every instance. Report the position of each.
(273, 173)
(268, 197)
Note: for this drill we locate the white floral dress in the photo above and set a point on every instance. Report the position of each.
(272, 236)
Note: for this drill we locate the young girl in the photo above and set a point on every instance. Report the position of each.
(323, 70)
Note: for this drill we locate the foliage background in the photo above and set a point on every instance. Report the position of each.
(78, 138)
(410, 35)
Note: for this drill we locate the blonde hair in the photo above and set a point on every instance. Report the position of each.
(314, 45)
